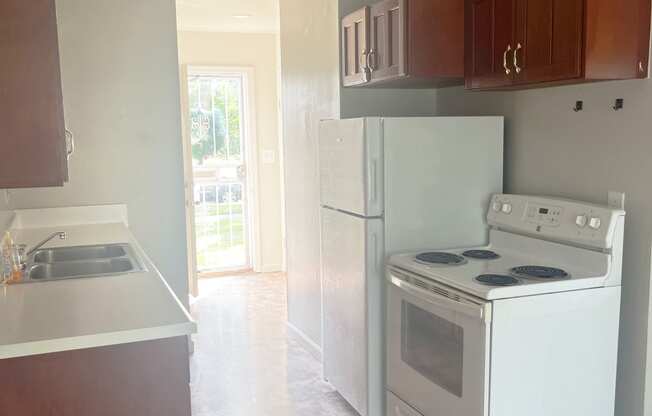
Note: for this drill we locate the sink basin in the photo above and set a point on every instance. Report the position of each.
(79, 253)
(76, 269)
(83, 261)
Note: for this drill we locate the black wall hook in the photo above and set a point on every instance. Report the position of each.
(619, 104)
(579, 106)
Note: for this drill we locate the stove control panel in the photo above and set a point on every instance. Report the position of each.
(543, 214)
(558, 219)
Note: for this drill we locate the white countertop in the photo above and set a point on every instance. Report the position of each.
(47, 317)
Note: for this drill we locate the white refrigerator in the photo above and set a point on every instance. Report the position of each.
(390, 185)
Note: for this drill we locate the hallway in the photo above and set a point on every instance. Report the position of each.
(246, 362)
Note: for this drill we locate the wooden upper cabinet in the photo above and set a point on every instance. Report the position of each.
(554, 42)
(617, 39)
(548, 44)
(386, 54)
(32, 131)
(489, 43)
(412, 43)
(355, 47)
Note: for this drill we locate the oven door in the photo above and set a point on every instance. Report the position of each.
(437, 347)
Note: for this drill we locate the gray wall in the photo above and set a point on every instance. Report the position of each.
(310, 92)
(121, 93)
(4, 202)
(551, 150)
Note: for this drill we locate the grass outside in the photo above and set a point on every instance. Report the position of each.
(220, 236)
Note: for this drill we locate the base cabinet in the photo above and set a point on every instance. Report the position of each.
(145, 379)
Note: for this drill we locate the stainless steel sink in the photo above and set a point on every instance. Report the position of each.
(79, 253)
(70, 270)
(84, 261)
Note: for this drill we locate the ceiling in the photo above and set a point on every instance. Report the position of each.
(242, 16)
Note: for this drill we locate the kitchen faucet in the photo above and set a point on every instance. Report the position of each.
(61, 234)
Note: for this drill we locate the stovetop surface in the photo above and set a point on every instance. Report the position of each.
(548, 276)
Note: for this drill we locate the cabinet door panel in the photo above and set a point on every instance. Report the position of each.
(489, 43)
(643, 9)
(436, 38)
(550, 33)
(387, 58)
(32, 132)
(355, 45)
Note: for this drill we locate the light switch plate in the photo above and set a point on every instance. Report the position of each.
(616, 200)
(269, 157)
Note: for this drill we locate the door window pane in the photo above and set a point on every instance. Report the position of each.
(216, 119)
(432, 346)
(220, 226)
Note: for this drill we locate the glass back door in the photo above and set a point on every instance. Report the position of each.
(219, 171)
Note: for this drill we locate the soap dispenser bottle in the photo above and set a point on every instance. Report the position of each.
(12, 259)
(6, 258)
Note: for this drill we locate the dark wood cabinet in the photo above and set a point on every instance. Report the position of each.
(32, 131)
(148, 378)
(529, 43)
(387, 21)
(548, 43)
(490, 29)
(355, 47)
(412, 43)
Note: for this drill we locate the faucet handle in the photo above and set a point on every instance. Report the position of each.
(21, 250)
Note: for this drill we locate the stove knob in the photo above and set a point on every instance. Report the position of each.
(497, 206)
(507, 209)
(595, 223)
(581, 221)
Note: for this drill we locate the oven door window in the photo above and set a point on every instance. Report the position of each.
(432, 346)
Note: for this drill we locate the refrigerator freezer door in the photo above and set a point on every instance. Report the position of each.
(350, 157)
(353, 341)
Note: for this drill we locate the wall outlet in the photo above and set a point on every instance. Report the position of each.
(616, 200)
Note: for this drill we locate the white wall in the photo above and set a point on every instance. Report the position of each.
(551, 150)
(121, 93)
(258, 51)
(310, 92)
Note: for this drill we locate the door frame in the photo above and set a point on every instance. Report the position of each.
(250, 145)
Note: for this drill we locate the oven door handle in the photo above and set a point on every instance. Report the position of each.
(477, 311)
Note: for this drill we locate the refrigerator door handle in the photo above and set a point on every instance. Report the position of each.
(374, 247)
(373, 188)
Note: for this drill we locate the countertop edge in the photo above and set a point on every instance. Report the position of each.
(27, 349)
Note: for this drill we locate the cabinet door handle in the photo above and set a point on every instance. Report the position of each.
(70, 144)
(516, 67)
(372, 60)
(507, 70)
(365, 65)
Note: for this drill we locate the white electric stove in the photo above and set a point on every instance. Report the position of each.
(526, 325)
